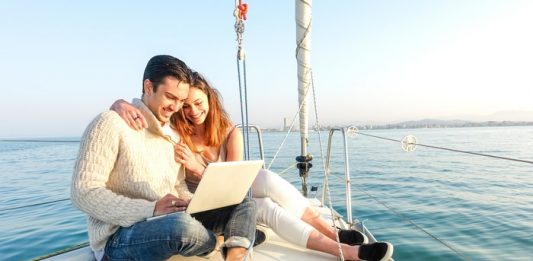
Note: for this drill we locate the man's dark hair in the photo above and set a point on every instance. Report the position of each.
(161, 66)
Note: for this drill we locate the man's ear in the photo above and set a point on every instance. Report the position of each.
(148, 87)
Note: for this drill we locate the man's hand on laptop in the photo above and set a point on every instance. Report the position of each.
(168, 204)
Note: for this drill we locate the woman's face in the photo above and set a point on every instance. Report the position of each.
(196, 106)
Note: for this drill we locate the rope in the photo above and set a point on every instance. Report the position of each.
(326, 171)
(299, 45)
(242, 10)
(36, 204)
(288, 132)
(448, 149)
(288, 168)
(332, 213)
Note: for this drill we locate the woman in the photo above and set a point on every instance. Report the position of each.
(208, 136)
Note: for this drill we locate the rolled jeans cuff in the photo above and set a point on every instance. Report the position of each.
(236, 241)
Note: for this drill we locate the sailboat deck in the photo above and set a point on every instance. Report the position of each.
(275, 248)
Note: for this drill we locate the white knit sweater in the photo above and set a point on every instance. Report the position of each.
(120, 173)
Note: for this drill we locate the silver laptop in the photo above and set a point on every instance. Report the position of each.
(224, 184)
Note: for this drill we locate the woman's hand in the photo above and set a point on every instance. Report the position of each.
(185, 157)
(131, 115)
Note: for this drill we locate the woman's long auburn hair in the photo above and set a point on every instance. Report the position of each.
(216, 122)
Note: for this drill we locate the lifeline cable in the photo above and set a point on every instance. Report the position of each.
(419, 227)
(448, 149)
(36, 204)
(58, 141)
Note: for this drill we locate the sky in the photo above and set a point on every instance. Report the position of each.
(63, 62)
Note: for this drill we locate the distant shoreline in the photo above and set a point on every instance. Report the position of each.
(447, 124)
(426, 124)
(422, 124)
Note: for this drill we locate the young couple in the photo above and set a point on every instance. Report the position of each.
(208, 135)
(123, 178)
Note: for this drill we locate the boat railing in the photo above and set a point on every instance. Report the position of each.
(349, 219)
(343, 131)
(259, 138)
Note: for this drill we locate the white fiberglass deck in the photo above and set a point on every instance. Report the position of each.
(275, 248)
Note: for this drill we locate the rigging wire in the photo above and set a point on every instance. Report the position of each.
(62, 251)
(299, 46)
(287, 134)
(244, 116)
(326, 182)
(240, 15)
(449, 149)
(244, 107)
(326, 171)
(58, 141)
(446, 244)
(288, 168)
(33, 205)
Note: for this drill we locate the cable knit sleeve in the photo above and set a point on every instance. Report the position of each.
(98, 153)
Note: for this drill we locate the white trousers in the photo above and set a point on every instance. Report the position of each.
(281, 206)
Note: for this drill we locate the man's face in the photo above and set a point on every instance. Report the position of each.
(168, 99)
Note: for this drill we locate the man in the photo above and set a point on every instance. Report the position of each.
(126, 180)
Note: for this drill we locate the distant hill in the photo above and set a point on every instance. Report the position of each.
(509, 115)
(501, 118)
(434, 123)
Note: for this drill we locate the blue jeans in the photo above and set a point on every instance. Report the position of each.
(183, 234)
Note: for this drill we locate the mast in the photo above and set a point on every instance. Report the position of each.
(303, 58)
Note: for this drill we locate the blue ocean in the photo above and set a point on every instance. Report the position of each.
(431, 204)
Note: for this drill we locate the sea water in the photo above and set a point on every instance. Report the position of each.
(431, 204)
